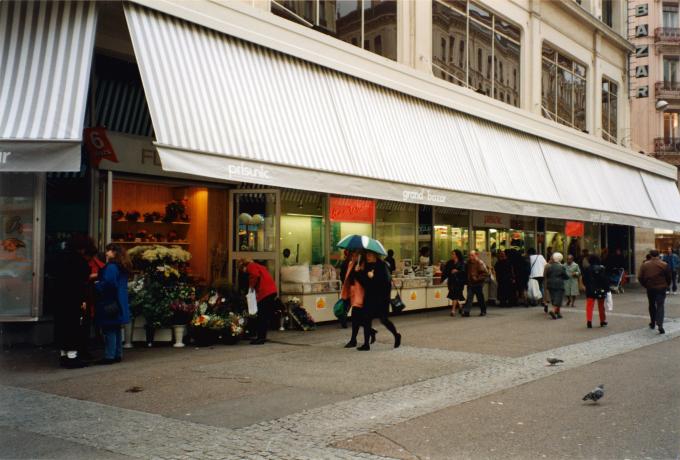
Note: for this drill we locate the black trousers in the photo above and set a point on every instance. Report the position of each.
(265, 312)
(360, 318)
(475, 291)
(656, 299)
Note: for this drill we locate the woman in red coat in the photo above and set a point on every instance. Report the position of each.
(264, 285)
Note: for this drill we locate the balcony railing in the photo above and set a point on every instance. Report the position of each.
(667, 35)
(667, 89)
(667, 146)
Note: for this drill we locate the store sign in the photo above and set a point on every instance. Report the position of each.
(574, 228)
(4, 156)
(488, 219)
(642, 9)
(642, 31)
(352, 210)
(98, 146)
(423, 195)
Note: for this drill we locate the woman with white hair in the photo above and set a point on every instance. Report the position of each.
(555, 275)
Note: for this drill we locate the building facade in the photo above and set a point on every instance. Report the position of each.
(289, 124)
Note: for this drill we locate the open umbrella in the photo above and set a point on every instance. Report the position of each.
(353, 242)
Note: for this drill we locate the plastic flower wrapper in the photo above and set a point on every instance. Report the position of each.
(201, 320)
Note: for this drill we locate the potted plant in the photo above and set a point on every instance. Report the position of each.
(183, 308)
(132, 216)
(235, 328)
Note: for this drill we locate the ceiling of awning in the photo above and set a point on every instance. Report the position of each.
(225, 98)
(45, 58)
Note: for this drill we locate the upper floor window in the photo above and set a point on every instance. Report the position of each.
(563, 88)
(670, 15)
(493, 45)
(671, 66)
(370, 24)
(610, 91)
(608, 12)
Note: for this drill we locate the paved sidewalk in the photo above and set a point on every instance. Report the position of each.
(307, 397)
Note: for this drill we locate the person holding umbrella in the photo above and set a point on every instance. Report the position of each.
(374, 276)
(353, 292)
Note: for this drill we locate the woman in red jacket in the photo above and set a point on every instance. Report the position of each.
(265, 292)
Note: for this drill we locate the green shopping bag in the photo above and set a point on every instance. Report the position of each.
(340, 308)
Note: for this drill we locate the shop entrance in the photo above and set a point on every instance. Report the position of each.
(254, 231)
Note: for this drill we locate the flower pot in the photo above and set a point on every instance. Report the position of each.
(179, 335)
(229, 339)
(127, 334)
(204, 337)
(150, 332)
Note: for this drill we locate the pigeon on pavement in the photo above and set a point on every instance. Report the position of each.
(596, 394)
(554, 361)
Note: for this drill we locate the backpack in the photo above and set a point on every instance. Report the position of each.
(600, 278)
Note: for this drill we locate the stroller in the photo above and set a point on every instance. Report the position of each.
(616, 280)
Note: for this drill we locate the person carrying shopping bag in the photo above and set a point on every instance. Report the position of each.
(264, 285)
(597, 286)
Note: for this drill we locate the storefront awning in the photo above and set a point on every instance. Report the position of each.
(227, 109)
(45, 57)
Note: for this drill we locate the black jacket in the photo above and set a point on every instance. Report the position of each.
(377, 289)
(596, 281)
(455, 280)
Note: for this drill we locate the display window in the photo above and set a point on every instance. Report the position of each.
(395, 228)
(303, 228)
(174, 214)
(450, 232)
(555, 237)
(349, 216)
(17, 199)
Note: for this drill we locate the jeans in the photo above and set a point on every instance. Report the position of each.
(477, 291)
(656, 298)
(113, 346)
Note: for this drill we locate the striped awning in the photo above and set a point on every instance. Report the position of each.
(45, 56)
(228, 109)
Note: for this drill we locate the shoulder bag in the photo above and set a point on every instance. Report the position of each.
(397, 304)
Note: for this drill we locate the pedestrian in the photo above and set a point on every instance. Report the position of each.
(454, 271)
(521, 269)
(71, 276)
(262, 282)
(583, 260)
(596, 282)
(375, 278)
(112, 309)
(286, 262)
(343, 274)
(673, 264)
(353, 292)
(556, 275)
(504, 279)
(389, 260)
(655, 276)
(91, 255)
(571, 289)
(537, 265)
(477, 274)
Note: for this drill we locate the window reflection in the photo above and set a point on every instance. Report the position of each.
(563, 89)
(609, 110)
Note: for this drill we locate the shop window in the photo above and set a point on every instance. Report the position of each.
(609, 110)
(302, 228)
(563, 89)
(17, 198)
(171, 214)
(359, 22)
(349, 216)
(395, 227)
(450, 232)
(555, 238)
(486, 34)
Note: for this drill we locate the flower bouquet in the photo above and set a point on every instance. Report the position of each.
(152, 216)
(175, 211)
(132, 216)
(235, 328)
(117, 215)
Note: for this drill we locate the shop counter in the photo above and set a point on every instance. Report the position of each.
(317, 297)
(420, 292)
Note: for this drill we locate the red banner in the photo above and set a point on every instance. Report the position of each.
(574, 228)
(352, 210)
(98, 146)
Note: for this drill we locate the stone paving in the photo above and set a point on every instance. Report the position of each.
(309, 434)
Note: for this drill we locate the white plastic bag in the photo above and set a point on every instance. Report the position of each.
(251, 297)
(609, 301)
(534, 291)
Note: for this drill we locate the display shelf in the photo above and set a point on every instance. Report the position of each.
(151, 243)
(155, 222)
(312, 287)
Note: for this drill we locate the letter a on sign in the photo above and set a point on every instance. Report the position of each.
(642, 30)
(641, 71)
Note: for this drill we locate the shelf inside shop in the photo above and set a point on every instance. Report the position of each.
(156, 222)
(151, 243)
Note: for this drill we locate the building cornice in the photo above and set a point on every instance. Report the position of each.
(606, 31)
(265, 29)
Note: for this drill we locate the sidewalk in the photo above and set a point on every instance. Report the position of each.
(282, 385)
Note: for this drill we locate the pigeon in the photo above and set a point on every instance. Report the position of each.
(134, 389)
(596, 394)
(554, 361)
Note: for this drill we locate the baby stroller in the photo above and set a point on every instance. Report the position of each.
(616, 281)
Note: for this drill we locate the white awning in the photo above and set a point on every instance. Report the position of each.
(231, 110)
(45, 58)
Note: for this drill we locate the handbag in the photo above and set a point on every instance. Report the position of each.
(534, 290)
(397, 304)
(609, 301)
(111, 310)
(340, 309)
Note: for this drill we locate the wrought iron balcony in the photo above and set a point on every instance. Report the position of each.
(666, 146)
(669, 35)
(667, 89)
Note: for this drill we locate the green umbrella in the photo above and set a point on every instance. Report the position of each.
(354, 242)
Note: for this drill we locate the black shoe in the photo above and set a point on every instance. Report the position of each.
(590, 325)
(482, 314)
(258, 341)
(105, 361)
(466, 314)
(364, 347)
(603, 324)
(373, 333)
(552, 315)
(652, 325)
(351, 344)
(661, 331)
(74, 363)
(397, 340)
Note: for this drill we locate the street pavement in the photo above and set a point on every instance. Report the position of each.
(457, 388)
